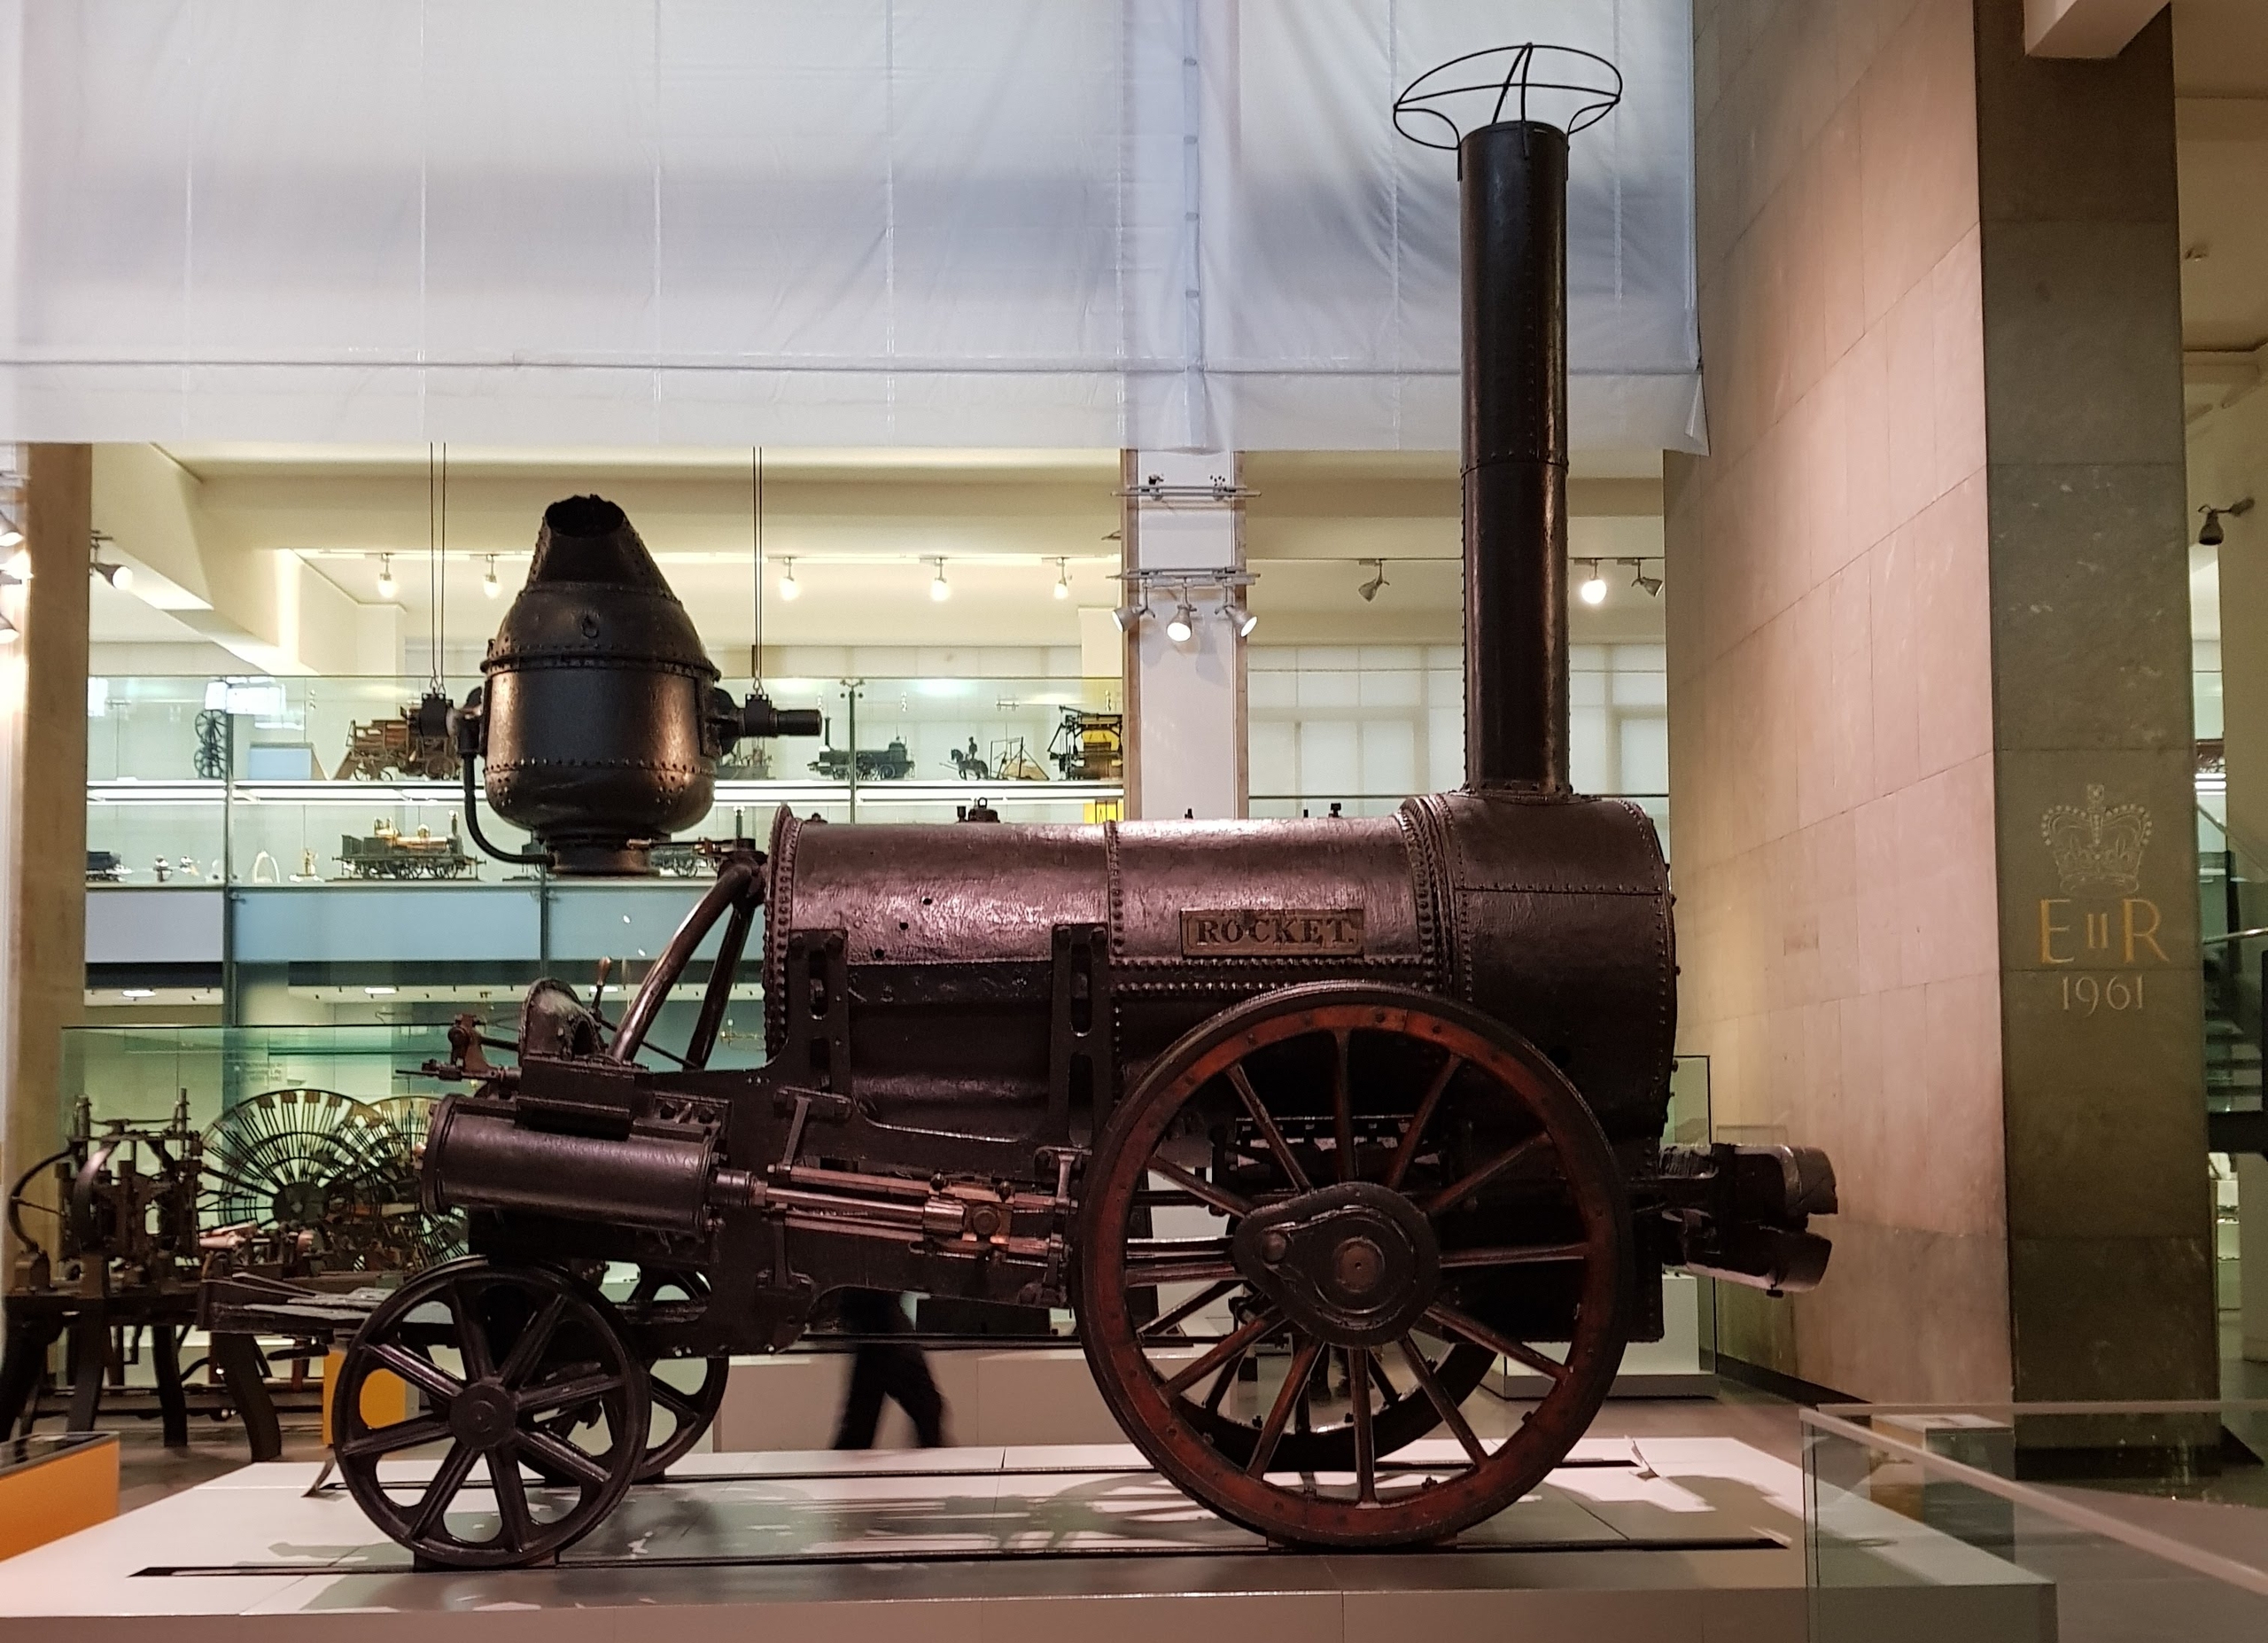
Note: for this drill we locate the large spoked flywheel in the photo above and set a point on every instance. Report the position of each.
(1387, 1191)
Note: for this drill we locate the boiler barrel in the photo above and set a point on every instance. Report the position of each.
(1551, 914)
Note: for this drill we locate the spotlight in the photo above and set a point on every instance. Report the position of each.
(1127, 615)
(490, 588)
(2210, 534)
(1063, 578)
(10, 537)
(1594, 587)
(1239, 615)
(7, 631)
(1184, 623)
(1651, 584)
(118, 576)
(940, 589)
(387, 587)
(1369, 590)
(790, 590)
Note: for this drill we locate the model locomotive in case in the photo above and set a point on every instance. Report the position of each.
(1365, 1105)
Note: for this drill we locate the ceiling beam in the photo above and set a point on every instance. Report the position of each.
(2085, 27)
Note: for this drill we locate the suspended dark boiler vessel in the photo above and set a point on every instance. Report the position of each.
(1367, 1103)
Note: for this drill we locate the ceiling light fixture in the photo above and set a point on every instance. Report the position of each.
(2210, 534)
(1651, 584)
(1063, 578)
(387, 585)
(490, 588)
(1239, 615)
(940, 589)
(790, 590)
(1184, 624)
(1369, 590)
(1594, 587)
(1126, 615)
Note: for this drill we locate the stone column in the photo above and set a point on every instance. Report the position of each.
(1186, 700)
(1930, 707)
(44, 727)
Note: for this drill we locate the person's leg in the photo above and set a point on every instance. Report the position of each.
(916, 1392)
(862, 1404)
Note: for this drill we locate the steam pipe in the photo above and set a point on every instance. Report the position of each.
(1513, 199)
(735, 879)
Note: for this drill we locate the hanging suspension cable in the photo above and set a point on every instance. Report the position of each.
(756, 588)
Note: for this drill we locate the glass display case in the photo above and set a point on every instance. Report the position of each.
(215, 806)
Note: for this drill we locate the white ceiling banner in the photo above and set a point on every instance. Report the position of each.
(798, 223)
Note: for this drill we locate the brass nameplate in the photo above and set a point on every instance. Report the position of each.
(1286, 932)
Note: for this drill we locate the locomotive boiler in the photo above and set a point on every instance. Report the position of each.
(1309, 1123)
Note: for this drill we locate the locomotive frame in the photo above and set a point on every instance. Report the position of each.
(1389, 1091)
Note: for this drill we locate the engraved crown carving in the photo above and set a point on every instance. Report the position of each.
(2099, 846)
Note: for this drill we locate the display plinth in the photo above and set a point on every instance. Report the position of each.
(1680, 1538)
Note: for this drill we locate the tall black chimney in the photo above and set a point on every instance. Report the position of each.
(1513, 183)
(1513, 211)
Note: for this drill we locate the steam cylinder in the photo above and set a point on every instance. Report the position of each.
(602, 721)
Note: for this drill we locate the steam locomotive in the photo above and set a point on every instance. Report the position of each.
(1276, 1108)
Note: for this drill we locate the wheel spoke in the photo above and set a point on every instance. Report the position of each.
(679, 1404)
(472, 1337)
(1291, 1394)
(1444, 1405)
(422, 1373)
(1406, 1154)
(455, 1468)
(527, 1352)
(559, 1394)
(1266, 1125)
(1458, 1192)
(1229, 1347)
(1516, 1255)
(1194, 1305)
(1153, 1261)
(1221, 1198)
(1342, 1103)
(1366, 1461)
(1472, 1329)
(1223, 1382)
(385, 1440)
(544, 1451)
(518, 1526)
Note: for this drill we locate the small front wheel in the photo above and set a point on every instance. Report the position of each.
(495, 1354)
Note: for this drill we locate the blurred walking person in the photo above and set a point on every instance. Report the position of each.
(895, 1369)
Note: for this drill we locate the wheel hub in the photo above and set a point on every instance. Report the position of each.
(483, 1415)
(1354, 1265)
(300, 1203)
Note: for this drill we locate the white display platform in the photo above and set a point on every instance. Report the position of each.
(1665, 1539)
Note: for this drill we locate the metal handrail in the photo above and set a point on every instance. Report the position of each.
(2233, 937)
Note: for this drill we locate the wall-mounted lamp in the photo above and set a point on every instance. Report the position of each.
(1593, 590)
(790, 590)
(118, 576)
(940, 589)
(1369, 590)
(1239, 615)
(1184, 621)
(1651, 584)
(490, 588)
(1063, 578)
(2210, 534)
(1127, 614)
(387, 585)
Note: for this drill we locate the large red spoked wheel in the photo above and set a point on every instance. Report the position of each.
(534, 1407)
(1392, 1184)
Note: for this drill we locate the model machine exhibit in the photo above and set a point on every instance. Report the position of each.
(1371, 1103)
